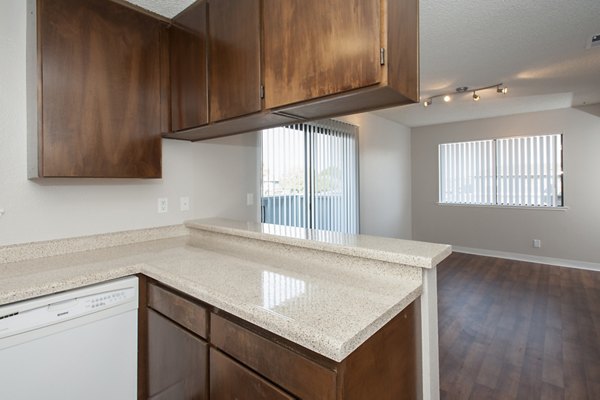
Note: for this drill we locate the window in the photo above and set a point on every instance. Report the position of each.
(310, 176)
(521, 171)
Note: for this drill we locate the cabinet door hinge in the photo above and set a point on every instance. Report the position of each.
(382, 56)
(262, 91)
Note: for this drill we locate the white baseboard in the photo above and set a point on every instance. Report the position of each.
(529, 258)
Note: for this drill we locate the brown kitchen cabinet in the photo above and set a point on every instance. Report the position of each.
(313, 59)
(105, 80)
(192, 346)
(229, 381)
(315, 48)
(384, 367)
(95, 106)
(234, 74)
(177, 359)
(234, 61)
(188, 39)
(330, 58)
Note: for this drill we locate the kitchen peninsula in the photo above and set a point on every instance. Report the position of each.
(304, 313)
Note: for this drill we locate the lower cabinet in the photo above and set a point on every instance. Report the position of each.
(177, 361)
(229, 380)
(296, 373)
(196, 351)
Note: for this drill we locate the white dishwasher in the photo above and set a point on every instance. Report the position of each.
(74, 345)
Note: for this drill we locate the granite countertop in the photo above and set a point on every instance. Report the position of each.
(406, 252)
(328, 305)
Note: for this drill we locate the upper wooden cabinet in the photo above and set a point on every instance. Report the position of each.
(368, 58)
(94, 90)
(106, 80)
(314, 59)
(315, 48)
(234, 58)
(188, 39)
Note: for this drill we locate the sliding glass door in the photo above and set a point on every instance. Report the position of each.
(310, 176)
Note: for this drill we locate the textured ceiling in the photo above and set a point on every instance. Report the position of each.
(166, 8)
(536, 47)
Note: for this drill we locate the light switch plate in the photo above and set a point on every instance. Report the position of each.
(249, 199)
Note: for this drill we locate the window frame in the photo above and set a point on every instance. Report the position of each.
(496, 204)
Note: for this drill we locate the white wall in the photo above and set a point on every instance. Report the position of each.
(216, 174)
(385, 176)
(573, 234)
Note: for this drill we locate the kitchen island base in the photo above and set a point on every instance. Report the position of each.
(239, 357)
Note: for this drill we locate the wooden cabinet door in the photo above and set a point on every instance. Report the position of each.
(177, 361)
(189, 91)
(100, 82)
(234, 58)
(231, 381)
(290, 370)
(315, 48)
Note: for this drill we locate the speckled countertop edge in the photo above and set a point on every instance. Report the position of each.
(49, 248)
(406, 252)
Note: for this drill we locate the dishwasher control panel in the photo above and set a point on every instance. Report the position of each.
(103, 300)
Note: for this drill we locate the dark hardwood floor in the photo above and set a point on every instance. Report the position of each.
(517, 330)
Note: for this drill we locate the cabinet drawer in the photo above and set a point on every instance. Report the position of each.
(187, 314)
(295, 373)
(230, 380)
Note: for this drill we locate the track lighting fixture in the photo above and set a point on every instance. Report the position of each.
(447, 97)
(500, 89)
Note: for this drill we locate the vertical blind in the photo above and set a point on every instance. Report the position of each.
(310, 176)
(467, 172)
(522, 171)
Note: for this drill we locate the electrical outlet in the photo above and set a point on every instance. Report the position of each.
(537, 243)
(249, 199)
(1, 212)
(184, 203)
(163, 205)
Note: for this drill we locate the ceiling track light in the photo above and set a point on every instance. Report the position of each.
(447, 97)
(500, 89)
